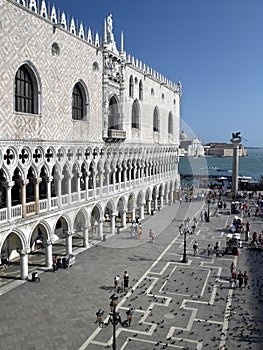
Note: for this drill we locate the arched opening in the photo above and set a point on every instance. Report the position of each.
(114, 121)
(170, 124)
(135, 115)
(79, 103)
(131, 87)
(156, 120)
(26, 91)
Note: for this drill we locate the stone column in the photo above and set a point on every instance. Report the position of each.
(48, 182)
(100, 229)
(156, 203)
(161, 201)
(123, 218)
(114, 179)
(124, 176)
(78, 185)
(141, 212)
(37, 182)
(58, 180)
(85, 237)
(23, 194)
(101, 182)
(166, 197)
(8, 186)
(94, 183)
(112, 224)
(235, 164)
(69, 177)
(149, 202)
(133, 214)
(48, 255)
(68, 243)
(23, 265)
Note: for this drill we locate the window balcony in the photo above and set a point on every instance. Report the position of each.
(115, 135)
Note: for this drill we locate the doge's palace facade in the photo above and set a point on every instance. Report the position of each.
(89, 135)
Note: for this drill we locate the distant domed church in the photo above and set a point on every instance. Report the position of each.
(190, 147)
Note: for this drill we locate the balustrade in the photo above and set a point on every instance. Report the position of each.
(30, 208)
(43, 205)
(3, 214)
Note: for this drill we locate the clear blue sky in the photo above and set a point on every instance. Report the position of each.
(214, 47)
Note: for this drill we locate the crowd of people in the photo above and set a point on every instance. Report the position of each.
(237, 280)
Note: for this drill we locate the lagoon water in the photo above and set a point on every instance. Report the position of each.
(252, 165)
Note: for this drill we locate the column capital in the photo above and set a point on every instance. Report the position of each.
(8, 184)
(25, 182)
(38, 180)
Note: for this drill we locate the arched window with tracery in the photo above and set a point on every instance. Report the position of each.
(140, 91)
(156, 120)
(170, 124)
(131, 87)
(79, 109)
(135, 115)
(26, 91)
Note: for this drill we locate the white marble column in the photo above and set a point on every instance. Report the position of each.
(68, 243)
(133, 214)
(161, 201)
(100, 229)
(48, 255)
(123, 218)
(141, 212)
(112, 224)
(23, 265)
(23, 195)
(48, 182)
(8, 187)
(149, 202)
(85, 237)
(37, 182)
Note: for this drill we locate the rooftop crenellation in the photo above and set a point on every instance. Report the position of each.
(59, 19)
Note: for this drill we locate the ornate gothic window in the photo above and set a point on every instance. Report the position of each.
(78, 103)
(131, 87)
(170, 123)
(156, 120)
(26, 92)
(135, 115)
(140, 91)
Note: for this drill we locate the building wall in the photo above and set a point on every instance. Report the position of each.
(62, 175)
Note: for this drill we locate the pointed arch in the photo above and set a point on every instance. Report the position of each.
(114, 121)
(170, 123)
(136, 115)
(131, 87)
(140, 90)
(156, 120)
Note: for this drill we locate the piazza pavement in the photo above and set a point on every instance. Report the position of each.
(176, 305)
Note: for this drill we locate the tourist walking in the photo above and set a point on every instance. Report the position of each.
(54, 265)
(116, 281)
(245, 278)
(240, 278)
(139, 231)
(126, 279)
(195, 248)
(209, 250)
(151, 236)
(232, 267)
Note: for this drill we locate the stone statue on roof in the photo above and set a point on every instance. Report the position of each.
(109, 36)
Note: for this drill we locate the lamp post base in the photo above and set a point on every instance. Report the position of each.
(184, 260)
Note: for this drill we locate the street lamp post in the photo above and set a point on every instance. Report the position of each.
(185, 231)
(114, 318)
